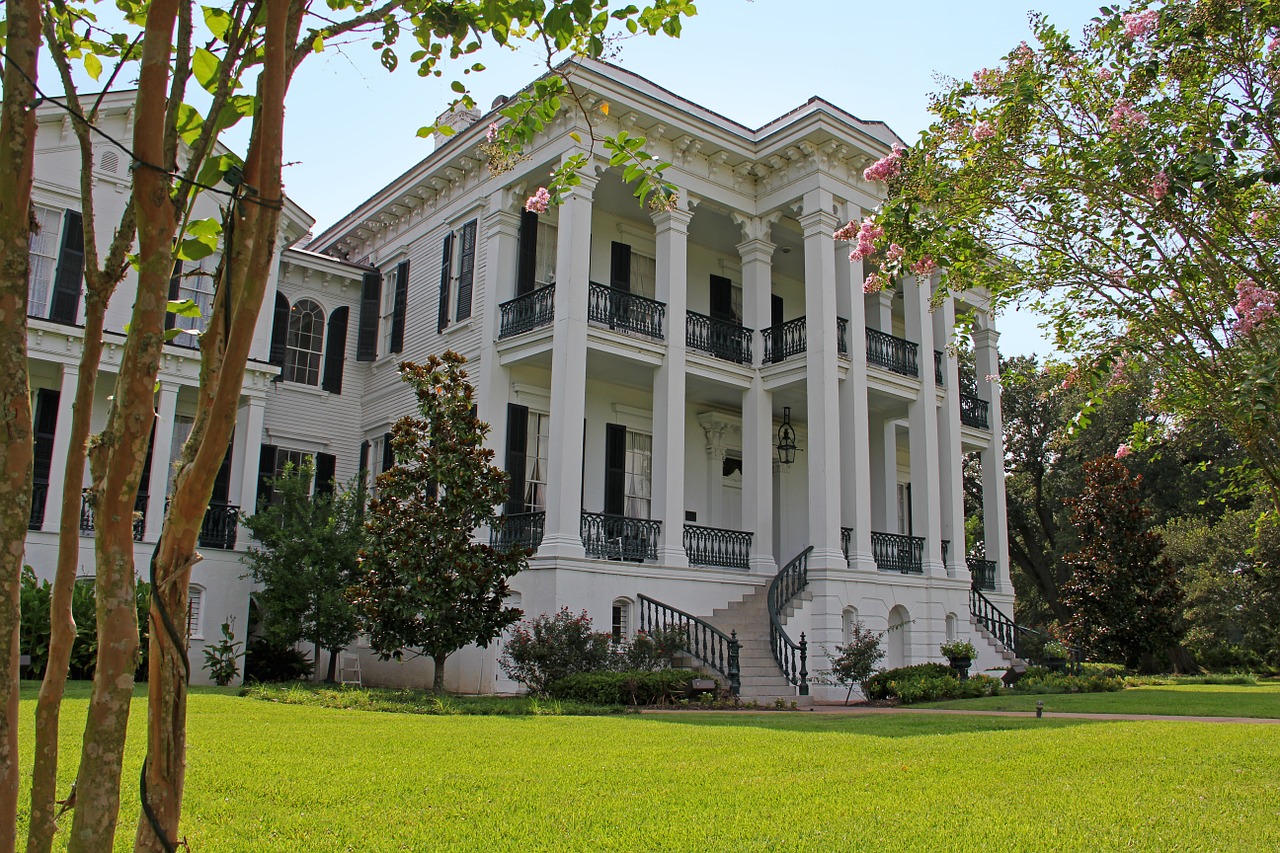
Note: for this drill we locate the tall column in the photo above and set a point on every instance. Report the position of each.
(502, 241)
(951, 459)
(926, 508)
(757, 410)
(563, 537)
(994, 512)
(855, 426)
(822, 381)
(249, 441)
(672, 235)
(61, 444)
(161, 464)
(884, 477)
(884, 311)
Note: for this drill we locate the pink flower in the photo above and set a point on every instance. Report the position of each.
(1123, 450)
(1125, 118)
(1072, 377)
(492, 133)
(924, 266)
(983, 130)
(538, 202)
(886, 167)
(848, 232)
(1139, 25)
(1254, 305)
(1159, 185)
(1274, 44)
(1104, 74)
(867, 234)
(895, 252)
(874, 283)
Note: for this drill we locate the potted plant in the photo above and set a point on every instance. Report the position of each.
(1055, 656)
(960, 654)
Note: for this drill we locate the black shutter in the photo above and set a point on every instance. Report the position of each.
(910, 522)
(266, 473)
(175, 292)
(775, 320)
(528, 262)
(466, 270)
(722, 299)
(517, 444)
(222, 482)
(364, 459)
(279, 330)
(336, 354)
(144, 487)
(65, 304)
(44, 422)
(620, 267)
(370, 303)
(388, 455)
(326, 467)
(401, 306)
(615, 468)
(446, 269)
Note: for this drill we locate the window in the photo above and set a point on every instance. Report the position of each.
(305, 343)
(296, 458)
(195, 608)
(386, 316)
(953, 627)
(44, 260)
(181, 429)
(545, 266)
(395, 298)
(639, 474)
(621, 620)
(197, 286)
(644, 273)
(535, 471)
(848, 621)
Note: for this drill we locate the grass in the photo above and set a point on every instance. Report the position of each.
(1182, 700)
(272, 776)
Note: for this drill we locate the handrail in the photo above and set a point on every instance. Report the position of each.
(784, 340)
(973, 411)
(87, 514)
(518, 530)
(792, 657)
(619, 537)
(527, 312)
(842, 328)
(721, 338)
(983, 572)
(702, 640)
(892, 353)
(715, 546)
(623, 310)
(1009, 633)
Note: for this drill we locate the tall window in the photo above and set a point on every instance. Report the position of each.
(644, 273)
(305, 344)
(197, 286)
(639, 474)
(544, 271)
(44, 260)
(535, 462)
(297, 458)
(621, 627)
(195, 604)
(386, 318)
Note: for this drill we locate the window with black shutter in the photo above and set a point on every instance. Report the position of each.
(722, 299)
(517, 444)
(336, 354)
(620, 266)
(279, 331)
(528, 262)
(65, 304)
(175, 293)
(367, 332)
(446, 275)
(615, 468)
(388, 455)
(266, 473)
(466, 270)
(44, 422)
(401, 307)
(326, 468)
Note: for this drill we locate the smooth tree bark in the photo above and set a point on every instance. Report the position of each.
(17, 154)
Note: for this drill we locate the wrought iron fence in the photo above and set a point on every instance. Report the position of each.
(218, 529)
(713, 546)
(792, 657)
(983, 573)
(722, 338)
(518, 530)
(973, 411)
(937, 366)
(895, 354)
(846, 541)
(139, 515)
(621, 309)
(527, 312)
(896, 553)
(616, 537)
(842, 336)
(701, 639)
(784, 340)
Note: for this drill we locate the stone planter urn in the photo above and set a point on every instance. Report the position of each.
(961, 667)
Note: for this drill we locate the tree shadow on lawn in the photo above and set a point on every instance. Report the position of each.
(865, 725)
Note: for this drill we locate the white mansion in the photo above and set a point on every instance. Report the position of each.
(700, 410)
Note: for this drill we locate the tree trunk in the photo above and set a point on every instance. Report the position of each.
(17, 149)
(331, 676)
(437, 679)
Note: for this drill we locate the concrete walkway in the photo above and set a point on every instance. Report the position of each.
(860, 710)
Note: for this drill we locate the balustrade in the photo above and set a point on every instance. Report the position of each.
(39, 497)
(792, 657)
(622, 310)
(218, 529)
(973, 411)
(139, 515)
(700, 638)
(983, 573)
(617, 537)
(937, 366)
(527, 312)
(896, 553)
(518, 530)
(895, 354)
(842, 333)
(713, 546)
(784, 340)
(721, 338)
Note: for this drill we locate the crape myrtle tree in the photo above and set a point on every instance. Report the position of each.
(305, 560)
(196, 70)
(1124, 182)
(426, 585)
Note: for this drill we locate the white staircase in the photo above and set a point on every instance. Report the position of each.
(762, 678)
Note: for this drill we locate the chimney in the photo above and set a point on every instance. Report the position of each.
(457, 118)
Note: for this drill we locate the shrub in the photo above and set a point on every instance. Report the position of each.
(658, 687)
(856, 660)
(265, 662)
(929, 682)
(1039, 680)
(656, 649)
(221, 658)
(1114, 670)
(546, 649)
(878, 684)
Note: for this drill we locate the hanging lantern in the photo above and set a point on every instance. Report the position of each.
(786, 438)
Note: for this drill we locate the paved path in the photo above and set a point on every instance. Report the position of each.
(859, 710)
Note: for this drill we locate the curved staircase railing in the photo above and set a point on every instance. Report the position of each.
(702, 640)
(1010, 634)
(792, 657)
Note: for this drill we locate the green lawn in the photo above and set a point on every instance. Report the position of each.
(1206, 700)
(269, 776)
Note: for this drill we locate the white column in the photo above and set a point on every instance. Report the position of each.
(161, 464)
(994, 512)
(950, 457)
(884, 477)
(249, 433)
(884, 310)
(502, 240)
(672, 235)
(855, 426)
(923, 416)
(61, 444)
(821, 380)
(757, 410)
(563, 537)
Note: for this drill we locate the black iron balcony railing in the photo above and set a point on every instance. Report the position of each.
(518, 530)
(617, 537)
(946, 549)
(983, 573)
(218, 530)
(712, 546)
(896, 553)
(39, 497)
(973, 411)
(784, 340)
(892, 353)
(722, 338)
(938, 359)
(846, 540)
(528, 312)
(625, 311)
(139, 515)
(842, 336)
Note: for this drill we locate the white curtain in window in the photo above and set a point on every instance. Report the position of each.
(44, 260)
(544, 271)
(644, 272)
(639, 475)
(535, 463)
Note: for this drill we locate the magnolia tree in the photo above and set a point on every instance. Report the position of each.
(1124, 183)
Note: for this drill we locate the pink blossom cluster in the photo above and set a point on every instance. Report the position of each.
(1257, 219)
(1104, 74)
(894, 252)
(1021, 54)
(1159, 185)
(1125, 118)
(886, 167)
(868, 233)
(1254, 305)
(924, 266)
(847, 233)
(1123, 450)
(874, 283)
(1274, 44)
(538, 202)
(492, 133)
(988, 79)
(1072, 377)
(983, 130)
(1138, 25)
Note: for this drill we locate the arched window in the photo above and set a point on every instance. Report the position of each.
(847, 622)
(898, 638)
(621, 622)
(953, 627)
(195, 608)
(305, 343)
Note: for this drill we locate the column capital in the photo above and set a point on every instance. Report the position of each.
(985, 337)
(677, 219)
(756, 227)
(818, 222)
(756, 251)
(500, 219)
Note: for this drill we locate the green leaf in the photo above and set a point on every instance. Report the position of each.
(204, 67)
(217, 20)
(183, 308)
(92, 65)
(190, 123)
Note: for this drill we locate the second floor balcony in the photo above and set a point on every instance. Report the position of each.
(894, 354)
(620, 537)
(973, 411)
(721, 338)
(527, 312)
(624, 311)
